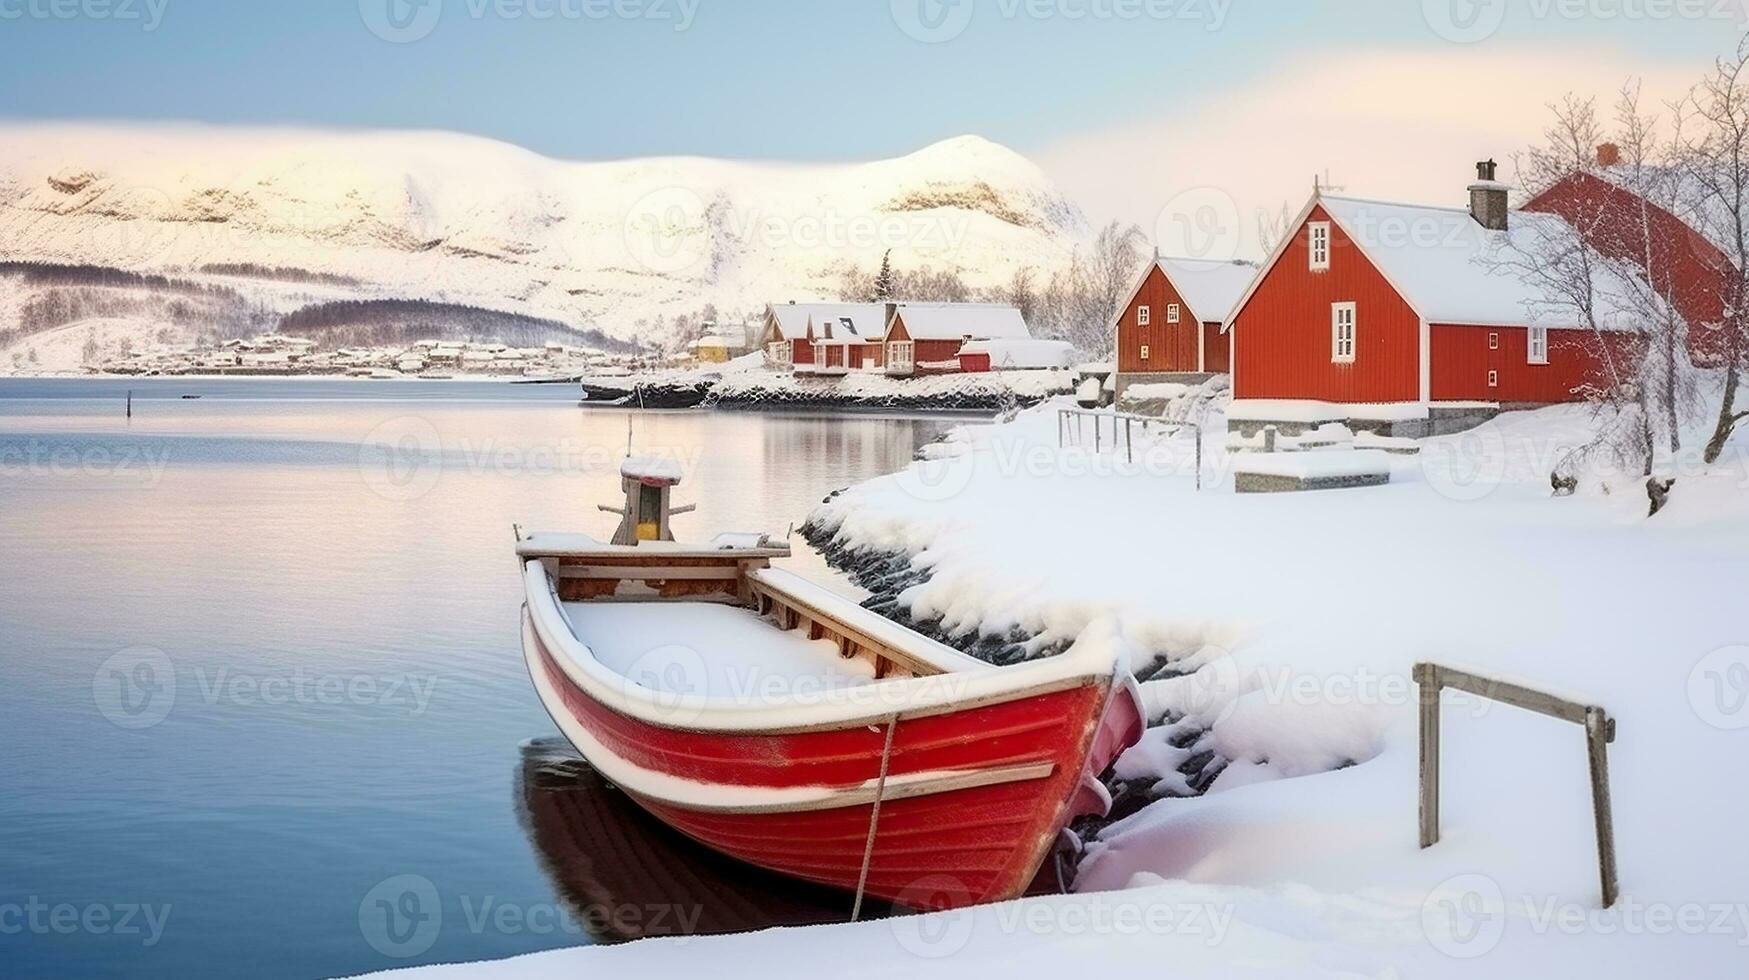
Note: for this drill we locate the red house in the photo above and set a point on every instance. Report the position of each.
(926, 338)
(1173, 327)
(1689, 271)
(824, 338)
(1402, 319)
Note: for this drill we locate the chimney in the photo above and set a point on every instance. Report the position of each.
(1488, 198)
(1608, 155)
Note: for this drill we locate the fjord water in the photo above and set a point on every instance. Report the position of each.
(263, 710)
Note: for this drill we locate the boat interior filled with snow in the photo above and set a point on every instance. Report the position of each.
(785, 725)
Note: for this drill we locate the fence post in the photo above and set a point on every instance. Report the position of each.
(1428, 683)
(1196, 433)
(1597, 744)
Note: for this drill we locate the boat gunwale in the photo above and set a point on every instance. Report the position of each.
(831, 708)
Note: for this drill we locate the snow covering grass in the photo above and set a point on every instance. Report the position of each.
(1296, 619)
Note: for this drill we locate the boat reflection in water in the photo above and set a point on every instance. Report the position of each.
(625, 875)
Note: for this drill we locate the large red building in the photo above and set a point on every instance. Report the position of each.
(1689, 271)
(1409, 319)
(1172, 328)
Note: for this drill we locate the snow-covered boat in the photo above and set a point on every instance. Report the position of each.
(782, 724)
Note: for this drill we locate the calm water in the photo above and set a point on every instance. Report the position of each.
(259, 657)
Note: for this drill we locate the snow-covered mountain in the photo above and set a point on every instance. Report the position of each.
(459, 219)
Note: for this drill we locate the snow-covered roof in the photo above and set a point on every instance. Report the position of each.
(1451, 269)
(953, 321)
(1023, 355)
(651, 469)
(849, 322)
(1211, 288)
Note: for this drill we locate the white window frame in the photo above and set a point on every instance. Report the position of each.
(902, 355)
(1493, 379)
(781, 352)
(1143, 316)
(1536, 346)
(1174, 313)
(1318, 241)
(819, 357)
(1343, 347)
(1494, 340)
(1145, 352)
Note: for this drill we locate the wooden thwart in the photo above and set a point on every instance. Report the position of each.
(1433, 679)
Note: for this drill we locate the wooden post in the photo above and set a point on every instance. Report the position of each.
(1196, 433)
(1129, 441)
(130, 403)
(1427, 681)
(1597, 737)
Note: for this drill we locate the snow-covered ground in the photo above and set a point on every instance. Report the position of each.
(1301, 616)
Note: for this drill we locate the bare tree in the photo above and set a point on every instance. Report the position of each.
(1561, 260)
(1712, 154)
(1273, 227)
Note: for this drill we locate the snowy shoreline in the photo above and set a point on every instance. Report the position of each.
(1291, 624)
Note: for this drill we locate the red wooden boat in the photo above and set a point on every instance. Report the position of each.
(779, 723)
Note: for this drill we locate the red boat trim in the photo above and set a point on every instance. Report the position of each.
(708, 797)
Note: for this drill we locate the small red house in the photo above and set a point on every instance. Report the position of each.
(1172, 327)
(1403, 318)
(926, 338)
(824, 338)
(1689, 271)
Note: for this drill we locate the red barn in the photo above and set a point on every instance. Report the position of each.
(1401, 318)
(1172, 329)
(1689, 271)
(926, 338)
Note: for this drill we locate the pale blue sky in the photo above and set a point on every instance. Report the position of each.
(790, 79)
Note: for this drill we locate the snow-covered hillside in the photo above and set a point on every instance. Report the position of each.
(458, 219)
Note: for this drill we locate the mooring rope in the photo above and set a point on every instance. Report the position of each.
(874, 819)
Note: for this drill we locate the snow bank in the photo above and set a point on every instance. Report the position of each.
(1316, 465)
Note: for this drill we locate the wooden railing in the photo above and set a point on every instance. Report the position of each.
(1121, 423)
(1433, 679)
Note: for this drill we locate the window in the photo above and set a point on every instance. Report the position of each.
(1342, 324)
(1320, 246)
(1144, 352)
(1143, 315)
(1493, 341)
(1173, 314)
(1539, 345)
(1493, 379)
(901, 356)
(781, 352)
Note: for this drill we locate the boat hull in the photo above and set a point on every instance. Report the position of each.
(975, 797)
